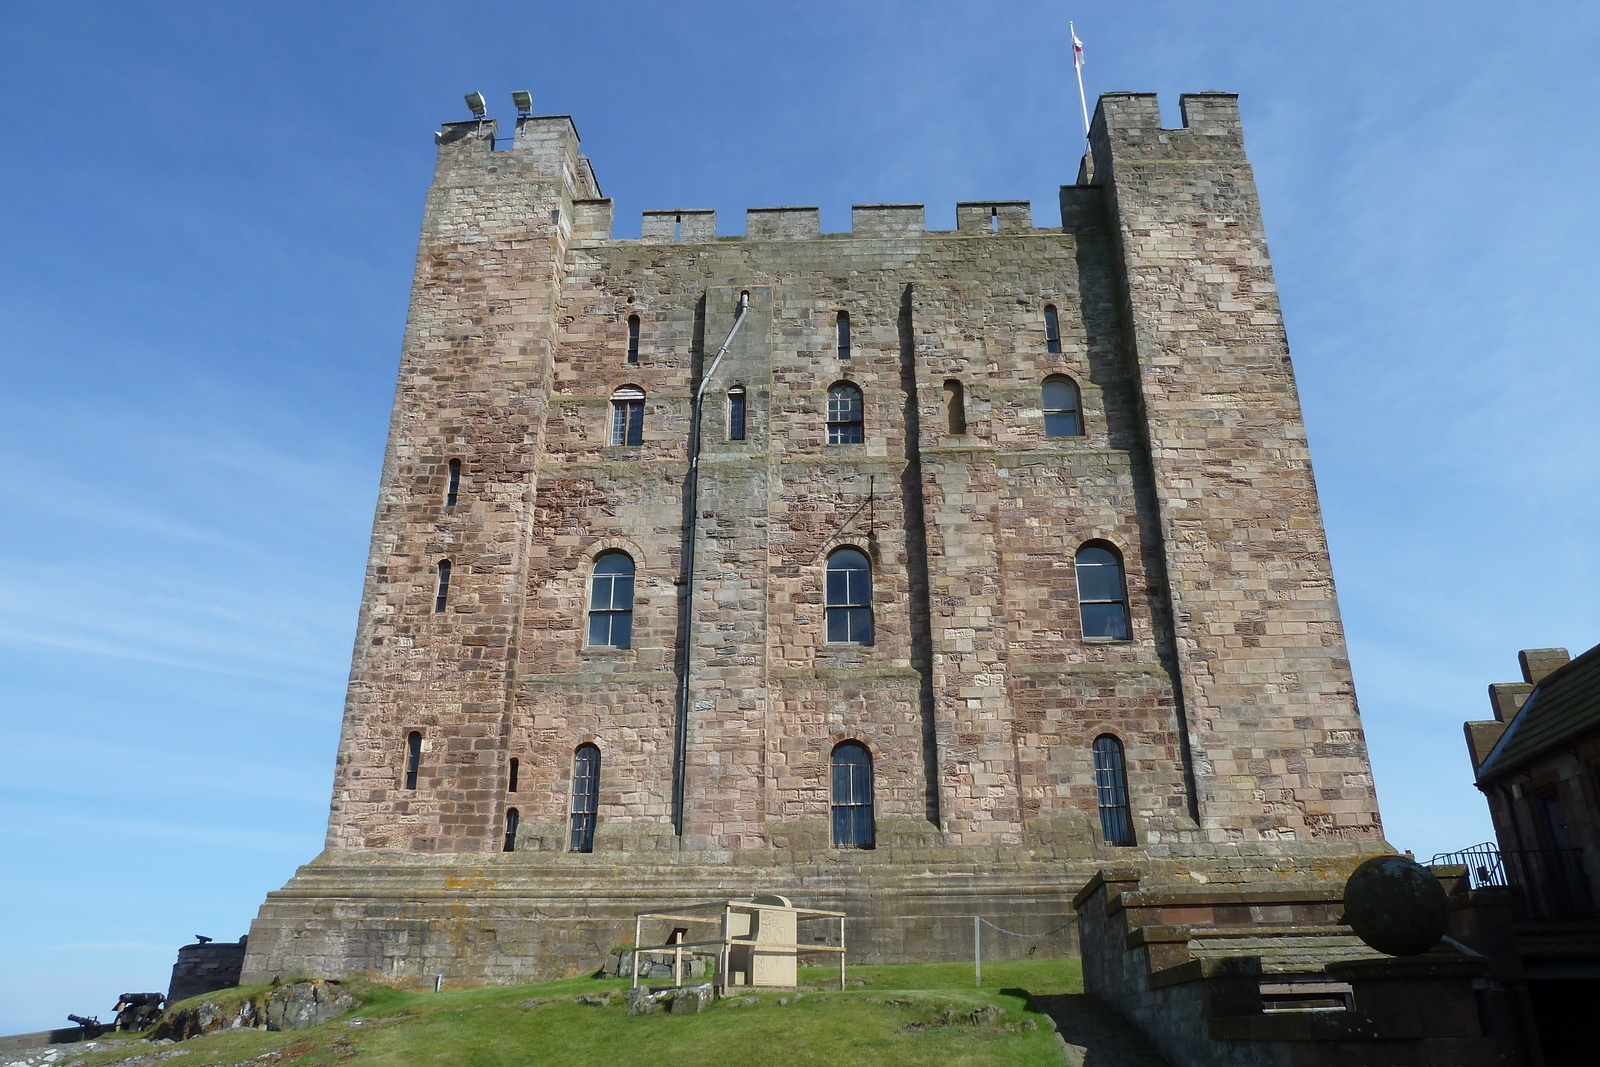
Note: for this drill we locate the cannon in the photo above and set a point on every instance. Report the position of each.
(92, 1026)
(139, 1011)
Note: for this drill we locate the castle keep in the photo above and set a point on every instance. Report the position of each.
(914, 573)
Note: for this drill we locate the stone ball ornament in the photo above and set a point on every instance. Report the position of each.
(1396, 905)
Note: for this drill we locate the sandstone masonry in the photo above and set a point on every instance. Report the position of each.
(980, 698)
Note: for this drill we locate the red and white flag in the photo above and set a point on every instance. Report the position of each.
(1077, 50)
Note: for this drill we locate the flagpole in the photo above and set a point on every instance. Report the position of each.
(1077, 65)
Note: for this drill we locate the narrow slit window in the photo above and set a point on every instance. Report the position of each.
(1111, 790)
(452, 489)
(585, 796)
(611, 602)
(849, 598)
(633, 338)
(846, 422)
(1052, 329)
(511, 779)
(955, 407)
(627, 416)
(994, 220)
(1062, 417)
(441, 595)
(1102, 594)
(852, 796)
(512, 819)
(843, 327)
(736, 413)
(413, 758)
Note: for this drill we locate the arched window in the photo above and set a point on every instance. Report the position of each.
(849, 598)
(852, 795)
(441, 594)
(627, 416)
(1111, 789)
(736, 413)
(511, 779)
(512, 818)
(611, 602)
(1052, 329)
(1059, 398)
(633, 338)
(413, 758)
(453, 487)
(955, 407)
(843, 327)
(585, 797)
(845, 421)
(1102, 593)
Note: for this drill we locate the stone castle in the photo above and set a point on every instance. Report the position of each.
(914, 573)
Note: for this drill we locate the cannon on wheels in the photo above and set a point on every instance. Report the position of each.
(139, 1011)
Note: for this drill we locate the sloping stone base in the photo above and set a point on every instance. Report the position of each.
(520, 917)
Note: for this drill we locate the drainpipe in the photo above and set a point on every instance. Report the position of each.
(680, 743)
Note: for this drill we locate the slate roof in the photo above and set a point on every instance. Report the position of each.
(1562, 708)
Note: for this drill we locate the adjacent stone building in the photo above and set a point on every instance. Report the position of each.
(916, 573)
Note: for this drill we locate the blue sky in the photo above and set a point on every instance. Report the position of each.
(209, 219)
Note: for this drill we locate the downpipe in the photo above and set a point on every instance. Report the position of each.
(680, 742)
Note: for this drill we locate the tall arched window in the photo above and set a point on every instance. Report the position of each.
(413, 758)
(627, 416)
(585, 797)
(452, 488)
(846, 425)
(633, 338)
(611, 602)
(849, 598)
(852, 795)
(1059, 398)
(1111, 790)
(512, 818)
(1052, 329)
(441, 593)
(511, 779)
(1102, 593)
(736, 413)
(842, 325)
(955, 407)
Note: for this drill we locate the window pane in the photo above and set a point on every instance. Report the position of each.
(1061, 424)
(1105, 620)
(621, 629)
(1057, 396)
(619, 423)
(838, 626)
(860, 587)
(861, 625)
(635, 422)
(1099, 582)
(599, 630)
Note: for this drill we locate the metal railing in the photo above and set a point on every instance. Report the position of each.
(1547, 885)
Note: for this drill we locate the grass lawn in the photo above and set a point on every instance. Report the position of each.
(911, 1014)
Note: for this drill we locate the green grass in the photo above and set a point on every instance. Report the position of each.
(903, 1014)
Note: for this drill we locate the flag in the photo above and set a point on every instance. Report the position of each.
(1077, 50)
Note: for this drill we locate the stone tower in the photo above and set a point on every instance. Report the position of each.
(547, 430)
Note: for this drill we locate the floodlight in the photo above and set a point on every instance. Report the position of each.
(475, 102)
(523, 100)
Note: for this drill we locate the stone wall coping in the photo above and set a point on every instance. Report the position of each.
(1159, 934)
(1195, 898)
(1103, 878)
